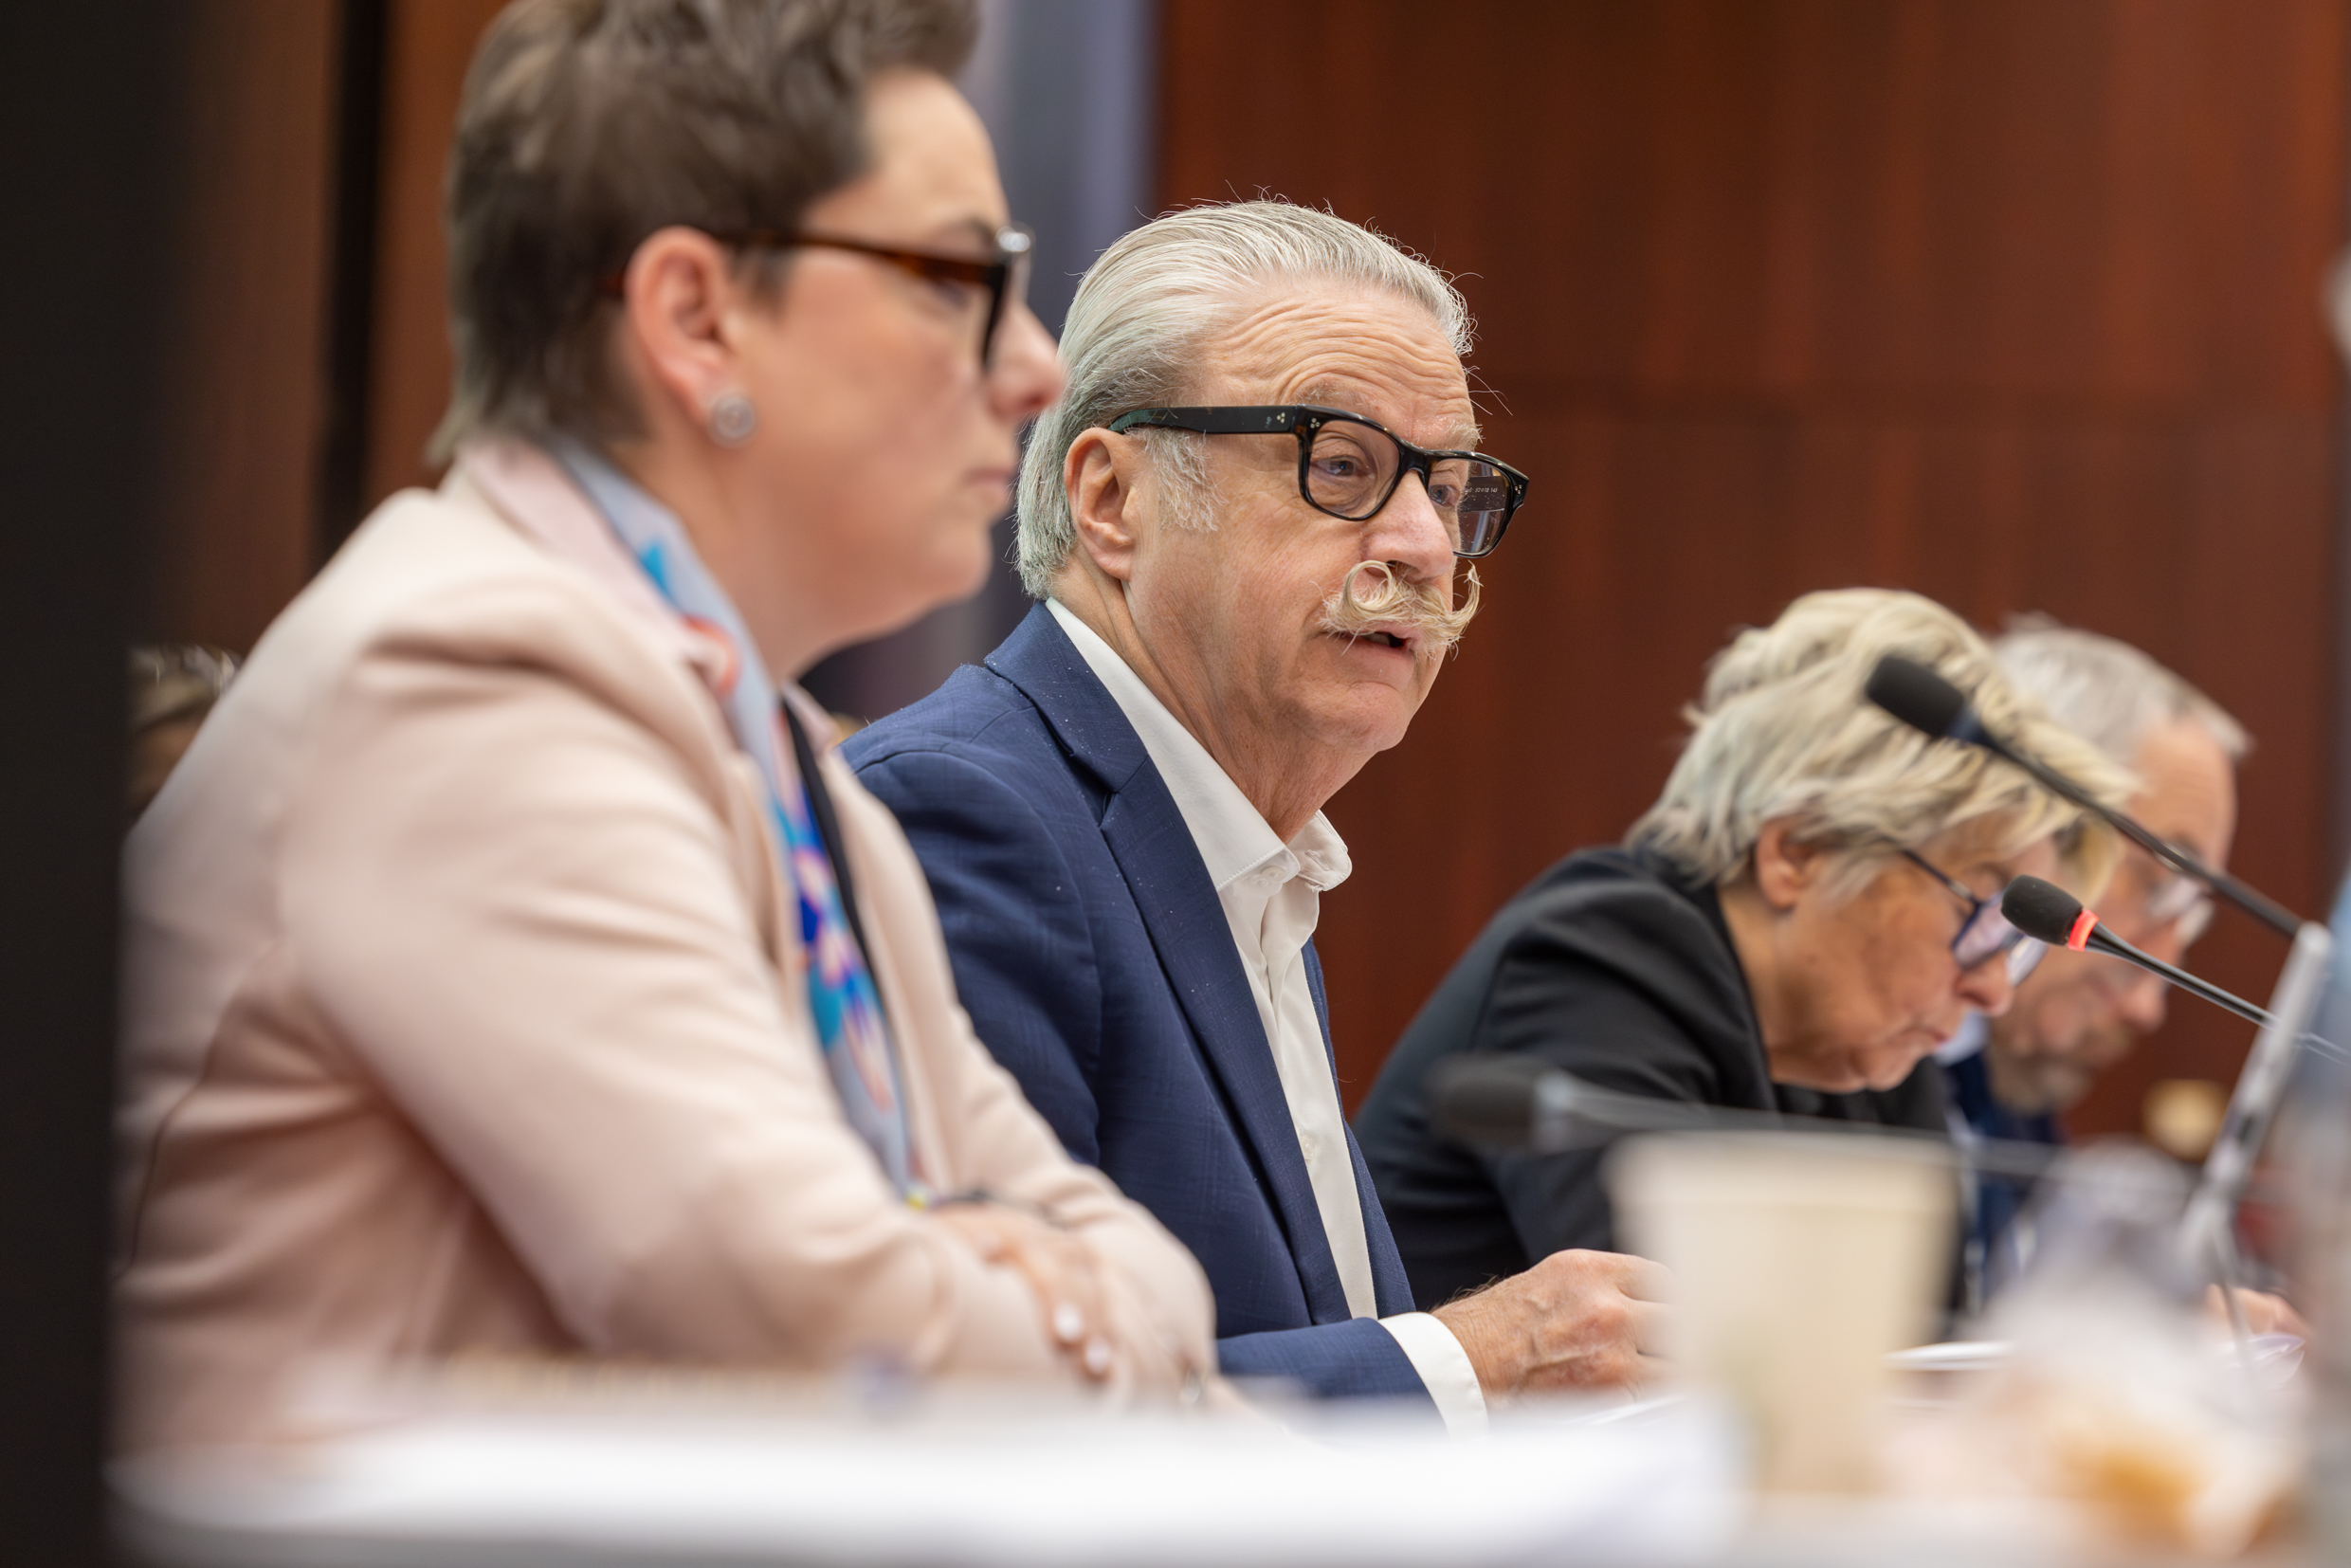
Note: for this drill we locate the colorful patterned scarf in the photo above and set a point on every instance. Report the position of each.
(849, 1023)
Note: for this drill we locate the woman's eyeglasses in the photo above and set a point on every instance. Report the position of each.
(1349, 467)
(1984, 933)
(988, 288)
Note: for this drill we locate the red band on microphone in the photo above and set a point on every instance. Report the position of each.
(2084, 923)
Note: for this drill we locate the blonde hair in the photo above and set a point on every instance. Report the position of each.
(1135, 330)
(1783, 731)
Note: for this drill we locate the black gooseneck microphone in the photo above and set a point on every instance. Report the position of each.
(2048, 913)
(1927, 703)
(1509, 1103)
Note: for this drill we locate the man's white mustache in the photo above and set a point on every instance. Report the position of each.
(1391, 602)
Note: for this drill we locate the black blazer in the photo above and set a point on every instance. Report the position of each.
(1618, 968)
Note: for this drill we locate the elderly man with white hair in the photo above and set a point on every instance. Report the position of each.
(1243, 518)
(2080, 1013)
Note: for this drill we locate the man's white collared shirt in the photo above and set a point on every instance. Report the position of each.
(1271, 893)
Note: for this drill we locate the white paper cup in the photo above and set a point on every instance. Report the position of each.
(1800, 1260)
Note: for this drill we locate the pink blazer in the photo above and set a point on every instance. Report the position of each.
(462, 1017)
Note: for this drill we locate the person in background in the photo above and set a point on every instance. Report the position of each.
(1245, 522)
(172, 687)
(2079, 1013)
(513, 970)
(1810, 907)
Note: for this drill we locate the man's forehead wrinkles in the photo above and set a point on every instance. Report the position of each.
(1441, 415)
(1382, 359)
(1274, 331)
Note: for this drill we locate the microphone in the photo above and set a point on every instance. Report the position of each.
(1523, 1104)
(2048, 913)
(1927, 703)
(1508, 1103)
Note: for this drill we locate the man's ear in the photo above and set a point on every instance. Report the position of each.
(679, 298)
(1100, 476)
(1784, 865)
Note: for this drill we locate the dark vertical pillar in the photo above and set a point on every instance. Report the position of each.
(2337, 305)
(351, 280)
(81, 99)
(2338, 847)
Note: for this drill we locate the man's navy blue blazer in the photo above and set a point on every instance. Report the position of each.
(1097, 965)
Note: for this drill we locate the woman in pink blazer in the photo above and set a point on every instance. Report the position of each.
(513, 969)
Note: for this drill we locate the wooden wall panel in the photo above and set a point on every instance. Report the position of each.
(243, 364)
(2007, 301)
(428, 45)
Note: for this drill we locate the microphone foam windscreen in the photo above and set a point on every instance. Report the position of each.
(2041, 910)
(1916, 695)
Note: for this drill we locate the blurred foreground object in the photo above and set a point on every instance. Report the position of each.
(2314, 1139)
(1800, 1261)
(2108, 1390)
(977, 1477)
(173, 686)
(2183, 1116)
(2109, 1386)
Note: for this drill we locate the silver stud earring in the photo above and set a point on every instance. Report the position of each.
(731, 419)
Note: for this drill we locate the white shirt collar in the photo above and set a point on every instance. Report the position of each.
(1233, 839)
(1965, 1041)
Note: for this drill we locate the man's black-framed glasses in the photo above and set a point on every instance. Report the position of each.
(1000, 281)
(1985, 931)
(1350, 467)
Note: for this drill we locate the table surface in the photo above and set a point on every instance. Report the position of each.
(1045, 1488)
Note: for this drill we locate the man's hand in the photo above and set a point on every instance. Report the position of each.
(1575, 1320)
(1061, 1271)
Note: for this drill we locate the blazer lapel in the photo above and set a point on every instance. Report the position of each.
(1392, 1288)
(1147, 834)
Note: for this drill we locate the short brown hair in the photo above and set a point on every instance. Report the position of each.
(588, 124)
